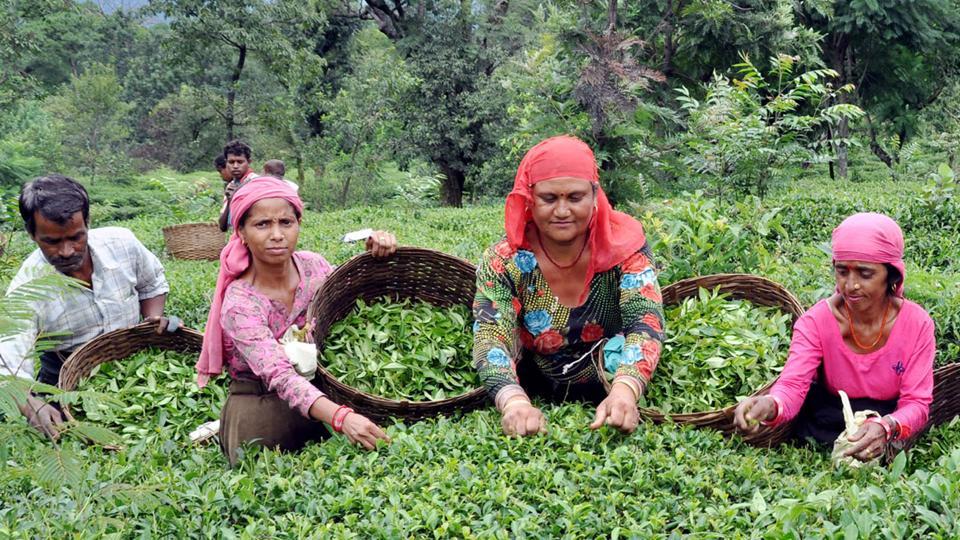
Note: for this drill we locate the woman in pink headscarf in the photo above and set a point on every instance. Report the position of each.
(866, 340)
(263, 288)
(571, 281)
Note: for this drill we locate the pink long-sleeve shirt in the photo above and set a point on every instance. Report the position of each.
(902, 369)
(252, 323)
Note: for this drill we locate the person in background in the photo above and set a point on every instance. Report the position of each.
(220, 163)
(237, 155)
(264, 287)
(866, 339)
(124, 284)
(276, 169)
(571, 279)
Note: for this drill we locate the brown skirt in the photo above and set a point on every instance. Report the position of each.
(254, 415)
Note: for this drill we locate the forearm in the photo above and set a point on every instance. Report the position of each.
(224, 214)
(152, 307)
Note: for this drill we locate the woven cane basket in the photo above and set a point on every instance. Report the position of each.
(757, 290)
(414, 273)
(943, 409)
(194, 241)
(123, 343)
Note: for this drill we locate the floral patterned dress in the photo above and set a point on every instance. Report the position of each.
(516, 311)
(253, 323)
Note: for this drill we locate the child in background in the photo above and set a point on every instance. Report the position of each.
(277, 169)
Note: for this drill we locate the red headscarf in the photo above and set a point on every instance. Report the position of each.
(613, 236)
(872, 238)
(234, 260)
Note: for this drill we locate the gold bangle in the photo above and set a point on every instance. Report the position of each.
(633, 390)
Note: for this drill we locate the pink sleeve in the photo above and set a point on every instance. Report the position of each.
(916, 384)
(246, 325)
(806, 355)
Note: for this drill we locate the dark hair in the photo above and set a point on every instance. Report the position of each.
(220, 162)
(894, 278)
(243, 218)
(237, 148)
(56, 197)
(274, 167)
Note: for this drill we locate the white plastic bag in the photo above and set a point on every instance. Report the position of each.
(853, 423)
(302, 355)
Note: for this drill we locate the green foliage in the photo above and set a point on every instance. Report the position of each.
(91, 114)
(747, 132)
(717, 351)
(403, 350)
(154, 397)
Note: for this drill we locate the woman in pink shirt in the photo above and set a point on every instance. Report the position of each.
(866, 340)
(263, 289)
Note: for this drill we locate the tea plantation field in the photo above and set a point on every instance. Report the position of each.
(458, 477)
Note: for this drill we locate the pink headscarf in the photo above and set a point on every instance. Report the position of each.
(873, 238)
(614, 236)
(234, 260)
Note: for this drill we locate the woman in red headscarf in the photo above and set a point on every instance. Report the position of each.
(263, 288)
(866, 340)
(572, 277)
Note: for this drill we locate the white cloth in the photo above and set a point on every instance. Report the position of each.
(124, 273)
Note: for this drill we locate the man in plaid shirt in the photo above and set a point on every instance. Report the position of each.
(123, 283)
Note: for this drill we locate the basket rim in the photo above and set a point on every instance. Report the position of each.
(195, 224)
(331, 282)
(791, 307)
(128, 334)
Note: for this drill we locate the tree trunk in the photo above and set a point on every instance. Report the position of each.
(875, 147)
(841, 61)
(232, 92)
(668, 45)
(611, 16)
(453, 181)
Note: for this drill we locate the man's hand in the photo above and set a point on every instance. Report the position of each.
(44, 417)
(618, 410)
(229, 190)
(753, 410)
(165, 325)
(521, 418)
(382, 244)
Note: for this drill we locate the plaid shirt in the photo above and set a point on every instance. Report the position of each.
(124, 273)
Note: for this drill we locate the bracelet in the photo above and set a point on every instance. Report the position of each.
(628, 384)
(884, 425)
(512, 402)
(339, 416)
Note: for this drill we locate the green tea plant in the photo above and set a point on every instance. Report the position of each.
(403, 350)
(717, 350)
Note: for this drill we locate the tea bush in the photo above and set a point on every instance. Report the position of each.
(458, 476)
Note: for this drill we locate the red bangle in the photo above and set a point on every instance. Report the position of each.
(886, 427)
(339, 416)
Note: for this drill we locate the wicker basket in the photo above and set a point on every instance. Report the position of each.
(194, 241)
(120, 344)
(414, 273)
(758, 290)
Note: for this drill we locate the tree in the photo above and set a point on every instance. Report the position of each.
(238, 28)
(899, 53)
(93, 122)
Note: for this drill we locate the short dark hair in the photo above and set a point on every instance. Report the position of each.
(56, 197)
(894, 278)
(220, 162)
(237, 148)
(274, 167)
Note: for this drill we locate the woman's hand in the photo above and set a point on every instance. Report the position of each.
(381, 244)
(521, 418)
(753, 410)
(618, 410)
(869, 442)
(359, 429)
